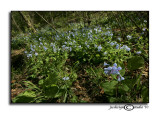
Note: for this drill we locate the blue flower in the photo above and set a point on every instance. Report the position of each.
(144, 29)
(99, 48)
(120, 78)
(107, 69)
(113, 70)
(65, 78)
(128, 49)
(45, 48)
(139, 52)
(119, 68)
(129, 37)
(106, 72)
(29, 55)
(41, 43)
(117, 46)
(112, 43)
(115, 64)
(36, 54)
(125, 47)
(105, 64)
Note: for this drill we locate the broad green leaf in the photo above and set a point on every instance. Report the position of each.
(109, 87)
(25, 97)
(51, 90)
(123, 88)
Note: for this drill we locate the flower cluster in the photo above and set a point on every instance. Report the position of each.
(65, 78)
(129, 37)
(113, 70)
(125, 47)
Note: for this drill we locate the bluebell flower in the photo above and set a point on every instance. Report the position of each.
(109, 68)
(128, 49)
(129, 37)
(25, 52)
(117, 46)
(36, 54)
(113, 70)
(144, 29)
(66, 48)
(139, 52)
(125, 47)
(120, 78)
(112, 43)
(41, 43)
(115, 64)
(65, 78)
(99, 48)
(45, 48)
(29, 55)
(106, 72)
(119, 68)
(79, 46)
(105, 64)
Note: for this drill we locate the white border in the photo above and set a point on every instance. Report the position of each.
(11, 5)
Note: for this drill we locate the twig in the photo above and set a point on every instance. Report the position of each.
(47, 21)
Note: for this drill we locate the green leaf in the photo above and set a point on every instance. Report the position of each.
(123, 89)
(135, 63)
(51, 90)
(25, 97)
(30, 85)
(109, 87)
(130, 82)
(122, 72)
(41, 82)
(51, 79)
